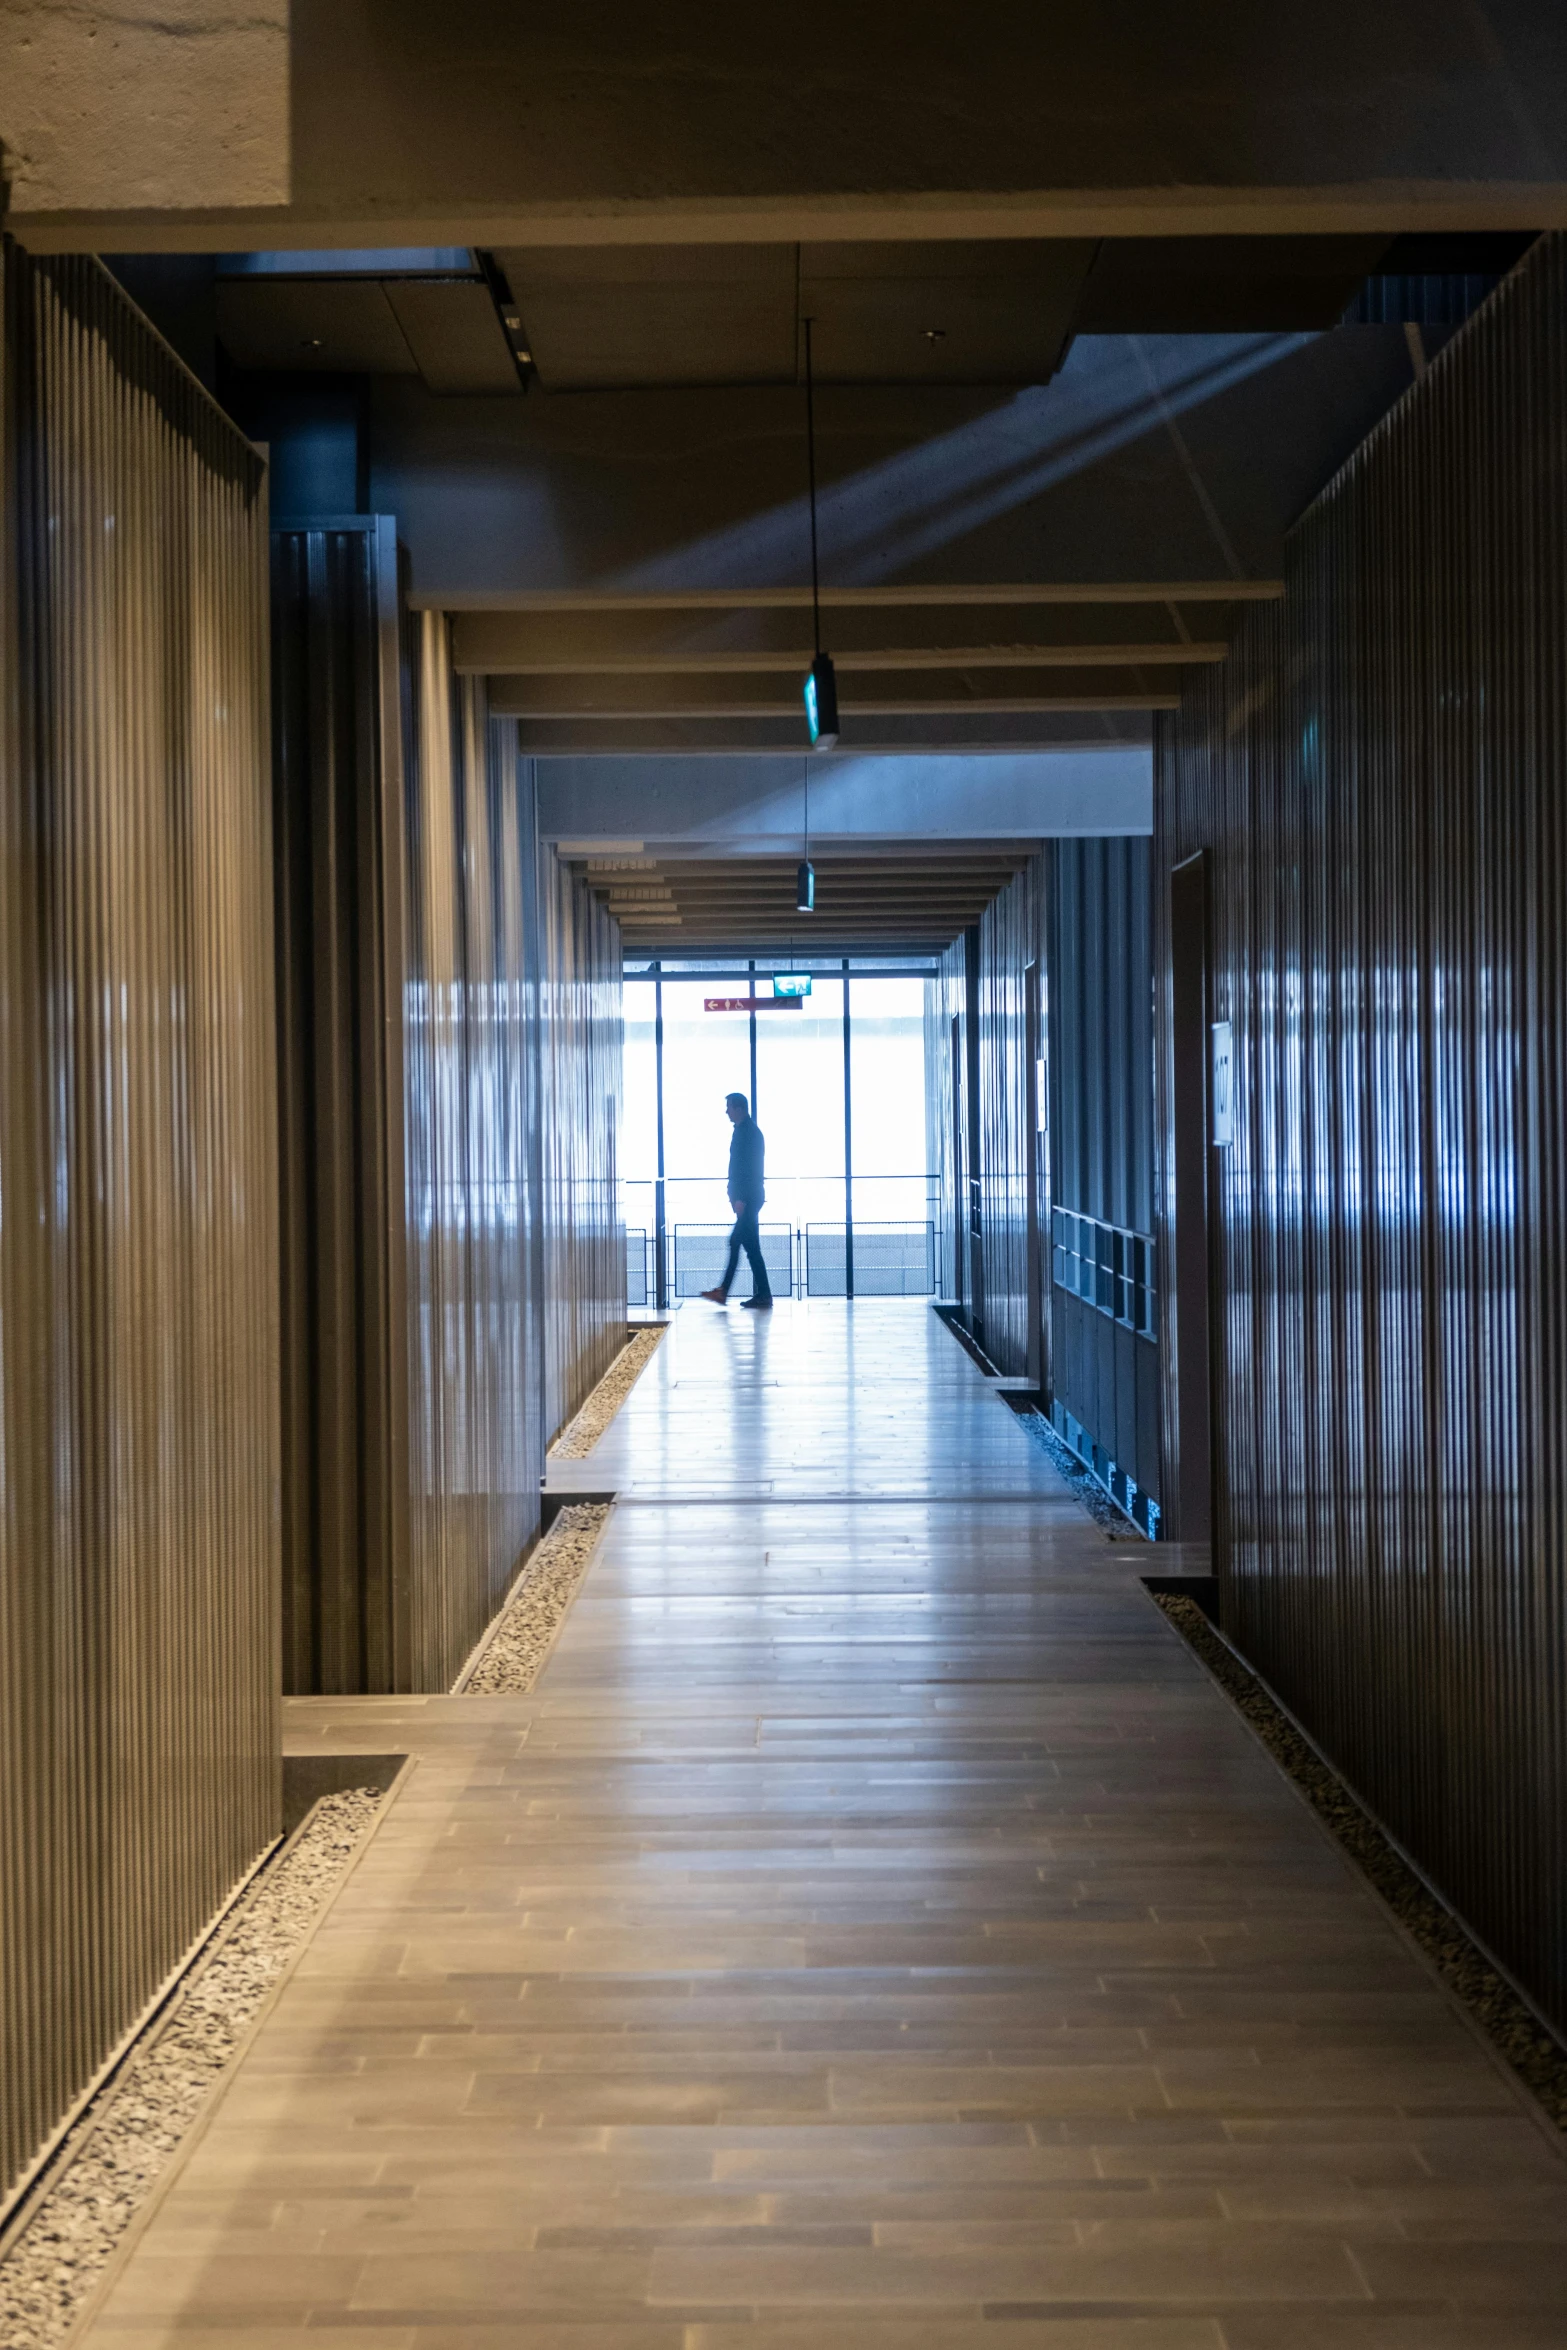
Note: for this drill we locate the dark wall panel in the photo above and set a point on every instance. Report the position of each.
(474, 1451)
(338, 832)
(139, 1736)
(982, 1026)
(1379, 776)
(449, 1014)
(946, 1121)
(1010, 986)
(1101, 1029)
(582, 1044)
(1101, 1089)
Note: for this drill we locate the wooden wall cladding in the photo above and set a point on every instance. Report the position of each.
(1379, 779)
(139, 1740)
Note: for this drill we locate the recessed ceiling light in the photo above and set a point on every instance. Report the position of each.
(311, 343)
(935, 334)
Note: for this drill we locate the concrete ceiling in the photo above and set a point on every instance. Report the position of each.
(441, 325)
(955, 312)
(391, 122)
(1031, 535)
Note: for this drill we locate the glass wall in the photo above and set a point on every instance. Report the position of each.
(822, 1233)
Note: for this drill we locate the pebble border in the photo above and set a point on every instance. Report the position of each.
(513, 1657)
(577, 1439)
(1508, 2022)
(1081, 1483)
(134, 2127)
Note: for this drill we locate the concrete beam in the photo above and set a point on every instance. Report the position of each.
(967, 734)
(890, 694)
(616, 124)
(112, 113)
(601, 640)
(755, 804)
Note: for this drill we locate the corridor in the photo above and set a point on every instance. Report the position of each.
(875, 1931)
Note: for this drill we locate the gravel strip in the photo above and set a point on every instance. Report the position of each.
(1081, 1482)
(1508, 2022)
(545, 1589)
(134, 2127)
(577, 1439)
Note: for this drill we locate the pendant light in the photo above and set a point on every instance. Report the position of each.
(821, 685)
(805, 873)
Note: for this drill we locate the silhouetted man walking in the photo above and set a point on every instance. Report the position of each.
(746, 1195)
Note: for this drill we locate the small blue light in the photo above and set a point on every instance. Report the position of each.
(812, 714)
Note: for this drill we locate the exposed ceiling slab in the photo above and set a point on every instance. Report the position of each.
(903, 902)
(997, 312)
(323, 325)
(402, 124)
(918, 313)
(1075, 484)
(640, 315)
(1223, 285)
(442, 327)
(452, 330)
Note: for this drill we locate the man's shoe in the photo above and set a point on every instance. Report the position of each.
(764, 1304)
(720, 1297)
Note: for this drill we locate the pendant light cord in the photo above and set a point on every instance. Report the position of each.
(810, 459)
(805, 779)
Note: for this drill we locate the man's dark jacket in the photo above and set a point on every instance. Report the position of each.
(746, 1149)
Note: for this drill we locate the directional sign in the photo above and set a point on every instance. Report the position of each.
(752, 1003)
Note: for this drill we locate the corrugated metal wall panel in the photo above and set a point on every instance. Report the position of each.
(1101, 1055)
(1101, 1029)
(584, 1242)
(983, 1023)
(1378, 776)
(473, 1450)
(1010, 962)
(945, 1119)
(339, 823)
(410, 948)
(139, 1735)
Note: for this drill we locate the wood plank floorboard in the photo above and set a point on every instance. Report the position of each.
(873, 1933)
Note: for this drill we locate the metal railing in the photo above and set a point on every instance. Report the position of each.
(889, 1260)
(697, 1258)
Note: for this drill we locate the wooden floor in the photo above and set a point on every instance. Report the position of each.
(874, 1934)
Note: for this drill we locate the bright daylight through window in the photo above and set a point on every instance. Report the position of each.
(833, 1221)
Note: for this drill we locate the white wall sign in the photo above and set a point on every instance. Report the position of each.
(1223, 1093)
